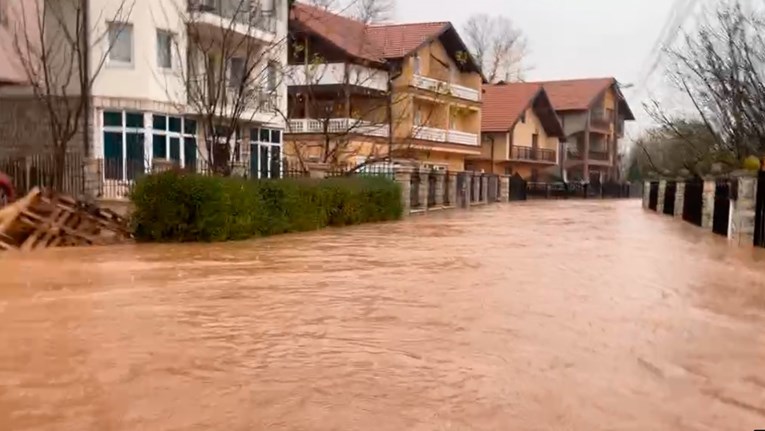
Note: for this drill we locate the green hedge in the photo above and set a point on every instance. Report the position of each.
(180, 207)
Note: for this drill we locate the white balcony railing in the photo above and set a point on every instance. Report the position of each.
(338, 125)
(438, 86)
(337, 73)
(450, 136)
(245, 15)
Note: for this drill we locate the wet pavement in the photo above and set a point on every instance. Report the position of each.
(565, 315)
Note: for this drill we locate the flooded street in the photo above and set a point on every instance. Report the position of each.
(535, 316)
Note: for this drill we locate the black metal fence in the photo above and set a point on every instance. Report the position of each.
(414, 190)
(449, 180)
(517, 190)
(432, 182)
(721, 212)
(759, 213)
(40, 170)
(653, 196)
(670, 191)
(693, 201)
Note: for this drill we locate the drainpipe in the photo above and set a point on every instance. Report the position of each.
(87, 87)
(491, 138)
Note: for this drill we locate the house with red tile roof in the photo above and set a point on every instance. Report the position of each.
(593, 113)
(359, 92)
(521, 132)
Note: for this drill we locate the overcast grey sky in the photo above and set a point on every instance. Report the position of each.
(566, 38)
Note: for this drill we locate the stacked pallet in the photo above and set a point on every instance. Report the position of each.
(43, 219)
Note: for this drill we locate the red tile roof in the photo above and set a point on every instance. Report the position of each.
(397, 41)
(374, 43)
(503, 104)
(576, 94)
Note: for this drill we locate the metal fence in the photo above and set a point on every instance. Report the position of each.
(40, 170)
(693, 201)
(759, 213)
(721, 212)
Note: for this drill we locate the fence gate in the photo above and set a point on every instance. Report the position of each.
(759, 215)
(669, 198)
(721, 215)
(517, 188)
(653, 195)
(693, 201)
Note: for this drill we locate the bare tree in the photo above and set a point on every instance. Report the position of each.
(720, 68)
(497, 45)
(56, 45)
(230, 78)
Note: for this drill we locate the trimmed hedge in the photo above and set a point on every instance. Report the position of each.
(180, 207)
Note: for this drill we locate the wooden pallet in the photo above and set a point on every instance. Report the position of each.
(43, 219)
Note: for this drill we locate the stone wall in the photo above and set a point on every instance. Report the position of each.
(660, 202)
(679, 198)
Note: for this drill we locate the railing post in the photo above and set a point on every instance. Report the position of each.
(403, 176)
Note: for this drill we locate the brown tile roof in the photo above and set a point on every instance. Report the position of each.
(397, 41)
(503, 104)
(374, 43)
(575, 94)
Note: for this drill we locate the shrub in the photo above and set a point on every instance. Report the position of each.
(180, 207)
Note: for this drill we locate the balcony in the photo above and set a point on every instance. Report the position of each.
(344, 126)
(337, 74)
(443, 87)
(601, 120)
(532, 154)
(601, 156)
(241, 17)
(442, 135)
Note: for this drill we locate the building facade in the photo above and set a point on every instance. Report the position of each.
(361, 93)
(194, 82)
(593, 113)
(521, 133)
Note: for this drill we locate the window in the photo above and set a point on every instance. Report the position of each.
(416, 64)
(265, 153)
(237, 70)
(174, 138)
(523, 117)
(124, 137)
(535, 141)
(164, 49)
(120, 43)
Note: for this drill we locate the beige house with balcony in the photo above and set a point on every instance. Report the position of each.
(359, 93)
(593, 113)
(162, 68)
(521, 133)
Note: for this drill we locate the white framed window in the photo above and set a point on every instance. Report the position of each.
(174, 138)
(165, 49)
(120, 44)
(265, 153)
(124, 136)
(237, 71)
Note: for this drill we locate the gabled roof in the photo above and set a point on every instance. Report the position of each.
(504, 103)
(580, 94)
(376, 43)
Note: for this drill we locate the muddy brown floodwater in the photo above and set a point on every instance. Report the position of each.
(534, 316)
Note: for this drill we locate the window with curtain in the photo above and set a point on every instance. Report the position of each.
(120, 43)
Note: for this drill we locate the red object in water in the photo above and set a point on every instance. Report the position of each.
(6, 187)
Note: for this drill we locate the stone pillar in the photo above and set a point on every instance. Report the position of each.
(424, 172)
(440, 177)
(318, 170)
(679, 198)
(476, 185)
(485, 185)
(94, 179)
(403, 176)
(646, 193)
(504, 188)
(463, 194)
(743, 211)
(662, 190)
(708, 203)
(453, 190)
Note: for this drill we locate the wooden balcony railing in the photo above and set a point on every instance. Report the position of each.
(533, 154)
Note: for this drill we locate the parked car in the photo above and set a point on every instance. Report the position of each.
(7, 192)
